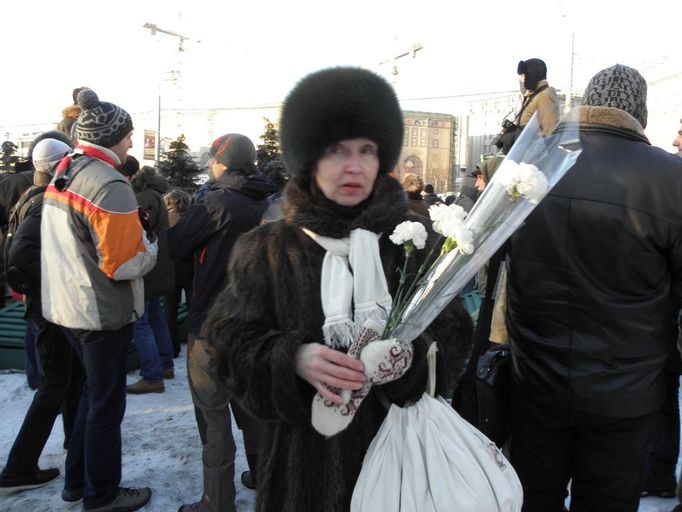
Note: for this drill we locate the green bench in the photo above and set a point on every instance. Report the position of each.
(13, 329)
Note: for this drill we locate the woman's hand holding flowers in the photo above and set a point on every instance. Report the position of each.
(325, 368)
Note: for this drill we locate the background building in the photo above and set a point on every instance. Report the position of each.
(428, 148)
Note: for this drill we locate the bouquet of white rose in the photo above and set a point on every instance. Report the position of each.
(426, 457)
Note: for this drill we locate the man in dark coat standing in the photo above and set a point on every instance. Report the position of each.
(595, 283)
(59, 388)
(234, 204)
(150, 332)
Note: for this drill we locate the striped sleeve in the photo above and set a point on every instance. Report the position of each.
(122, 249)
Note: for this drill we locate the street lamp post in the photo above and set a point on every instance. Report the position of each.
(154, 30)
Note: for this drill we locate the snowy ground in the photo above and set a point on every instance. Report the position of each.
(161, 449)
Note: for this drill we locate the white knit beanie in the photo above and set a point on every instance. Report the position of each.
(48, 151)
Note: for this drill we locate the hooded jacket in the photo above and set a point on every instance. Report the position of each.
(595, 275)
(272, 306)
(94, 251)
(149, 189)
(69, 117)
(467, 197)
(207, 232)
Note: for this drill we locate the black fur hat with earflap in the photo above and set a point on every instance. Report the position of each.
(337, 104)
(534, 70)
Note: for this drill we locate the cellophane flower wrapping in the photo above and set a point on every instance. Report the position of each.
(533, 166)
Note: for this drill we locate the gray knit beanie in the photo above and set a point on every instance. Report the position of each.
(99, 122)
(619, 87)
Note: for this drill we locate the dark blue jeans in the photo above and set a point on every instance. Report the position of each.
(93, 461)
(34, 369)
(153, 343)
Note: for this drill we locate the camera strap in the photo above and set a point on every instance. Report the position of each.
(527, 101)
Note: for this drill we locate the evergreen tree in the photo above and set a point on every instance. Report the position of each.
(8, 158)
(269, 150)
(179, 167)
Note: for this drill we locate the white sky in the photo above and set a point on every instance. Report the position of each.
(252, 52)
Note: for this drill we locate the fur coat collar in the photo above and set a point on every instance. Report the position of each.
(604, 119)
(380, 213)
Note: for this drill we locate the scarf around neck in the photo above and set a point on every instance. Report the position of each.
(353, 286)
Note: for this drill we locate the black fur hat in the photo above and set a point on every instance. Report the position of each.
(336, 104)
(535, 71)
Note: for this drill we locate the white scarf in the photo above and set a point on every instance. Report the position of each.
(351, 272)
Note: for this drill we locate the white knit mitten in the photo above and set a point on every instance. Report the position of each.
(329, 418)
(386, 360)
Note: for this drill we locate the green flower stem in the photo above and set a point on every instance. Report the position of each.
(402, 297)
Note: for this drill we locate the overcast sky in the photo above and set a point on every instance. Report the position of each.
(252, 52)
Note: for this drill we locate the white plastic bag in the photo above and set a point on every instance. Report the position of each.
(427, 458)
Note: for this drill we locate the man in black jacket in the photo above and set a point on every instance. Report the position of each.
(59, 388)
(234, 204)
(595, 283)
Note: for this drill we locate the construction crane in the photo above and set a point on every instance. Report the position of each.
(411, 51)
(153, 29)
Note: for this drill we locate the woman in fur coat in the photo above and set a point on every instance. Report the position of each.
(276, 327)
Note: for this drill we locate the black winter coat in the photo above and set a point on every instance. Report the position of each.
(208, 230)
(595, 275)
(12, 185)
(149, 188)
(23, 251)
(271, 307)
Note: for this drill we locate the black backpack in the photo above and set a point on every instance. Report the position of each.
(18, 281)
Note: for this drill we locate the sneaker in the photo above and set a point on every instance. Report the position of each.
(72, 494)
(247, 480)
(13, 482)
(199, 506)
(127, 500)
(168, 373)
(143, 386)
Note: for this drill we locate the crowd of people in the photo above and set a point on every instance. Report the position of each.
(280, 267)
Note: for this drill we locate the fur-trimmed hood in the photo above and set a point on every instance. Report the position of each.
(147, 178)
(604, 119)
(381, 212)
(71, 112)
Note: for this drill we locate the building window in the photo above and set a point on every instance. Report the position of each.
(415, 141)
(422, 142)
(415, 131)
(435, 143)
(435, 131)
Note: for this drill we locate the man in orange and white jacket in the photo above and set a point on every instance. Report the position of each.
(94, 253)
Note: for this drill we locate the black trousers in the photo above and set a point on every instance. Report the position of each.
(59, 390)
(665, 447)
(602, 457)
(171, 302)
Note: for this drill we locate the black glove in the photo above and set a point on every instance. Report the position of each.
(145, 220)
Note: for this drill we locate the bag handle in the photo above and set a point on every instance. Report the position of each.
(431, 366)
